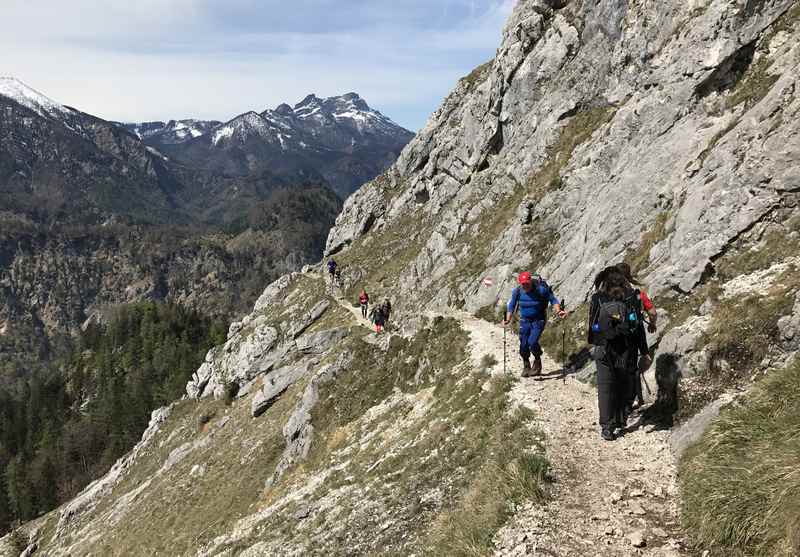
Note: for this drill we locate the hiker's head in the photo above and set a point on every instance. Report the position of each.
(602, 277)
(625, 269)
(525, 280)
(615, 285)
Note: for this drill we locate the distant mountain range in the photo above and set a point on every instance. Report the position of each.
(341, 139)
(95, 213)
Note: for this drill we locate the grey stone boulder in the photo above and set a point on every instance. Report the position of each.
(359, 214)
(298, 430)
(239, 360)
(321, 341)
(789, 326)
(690, 432)
(684, 342)
(306, 321)
(273, 292)
(274, 385)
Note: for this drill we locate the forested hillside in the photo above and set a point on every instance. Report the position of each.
(66, 424)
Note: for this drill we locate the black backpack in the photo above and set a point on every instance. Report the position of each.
(615, 320)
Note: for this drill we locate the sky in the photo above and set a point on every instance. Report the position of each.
(141, 60)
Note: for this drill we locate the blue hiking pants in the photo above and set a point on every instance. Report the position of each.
(529, 333)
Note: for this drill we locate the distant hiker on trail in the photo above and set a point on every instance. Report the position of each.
(615, 320)
(645, 361)
(378, 318)
(332, 269)
(386, 308)
(532, 297)
(363, 299)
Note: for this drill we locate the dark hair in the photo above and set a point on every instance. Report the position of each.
(616, 285)
(602, 277)
(625, 269)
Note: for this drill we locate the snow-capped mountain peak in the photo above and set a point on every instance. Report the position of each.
(28, 97)
(243, 126)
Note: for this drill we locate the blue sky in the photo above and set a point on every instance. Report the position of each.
(136, 60)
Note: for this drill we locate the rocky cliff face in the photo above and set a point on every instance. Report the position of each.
(665, 134)
(662, 135)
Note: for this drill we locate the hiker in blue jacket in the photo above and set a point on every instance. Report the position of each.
(532, 297)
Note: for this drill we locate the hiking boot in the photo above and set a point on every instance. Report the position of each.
(537, 365)
(607, 434)
(526, 367)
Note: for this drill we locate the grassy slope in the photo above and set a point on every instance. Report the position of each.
(413, 452)
(741, 483)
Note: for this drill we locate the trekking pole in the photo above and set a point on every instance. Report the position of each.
(505, 326)
(646, 386)
(563, 346)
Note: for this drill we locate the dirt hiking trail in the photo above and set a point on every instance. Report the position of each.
(614, 498)
(608, 496)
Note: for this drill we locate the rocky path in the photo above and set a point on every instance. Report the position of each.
(610, 498)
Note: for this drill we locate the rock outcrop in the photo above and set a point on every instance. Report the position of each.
(598, 132)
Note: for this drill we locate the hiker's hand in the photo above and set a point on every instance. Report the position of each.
(562, 313)
(651, 327)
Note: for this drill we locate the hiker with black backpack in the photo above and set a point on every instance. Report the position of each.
(615, 320)
(378, 318)
(386, 309)
(532, 297)
(645, 361)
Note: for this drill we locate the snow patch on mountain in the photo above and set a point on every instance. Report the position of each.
(242, 127)
(28, 97)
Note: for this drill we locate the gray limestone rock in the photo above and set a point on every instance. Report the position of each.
(321, 341)
(651, 154)
(275, 384)
(789, 326)
(306, 321)
(692, 430)
(298, 430)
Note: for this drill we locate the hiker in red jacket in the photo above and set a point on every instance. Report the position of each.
(363, 299)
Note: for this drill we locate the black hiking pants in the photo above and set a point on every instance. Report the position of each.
(364, 310)
(613, 389)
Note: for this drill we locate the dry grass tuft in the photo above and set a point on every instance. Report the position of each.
(514, 471)
(741, 483)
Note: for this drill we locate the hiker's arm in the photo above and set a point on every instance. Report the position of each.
(648, 306)
(653, 314)
(511, 307)
(555, 303)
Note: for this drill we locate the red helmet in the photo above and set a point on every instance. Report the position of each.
(524, 278)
